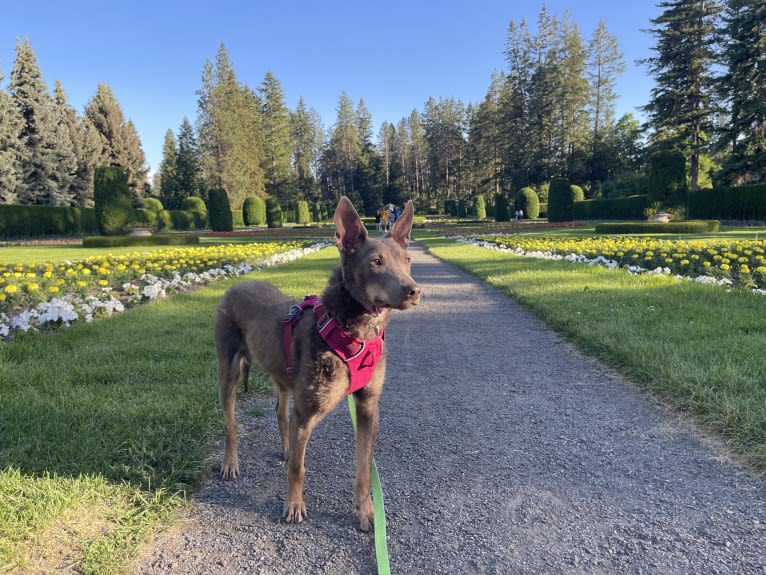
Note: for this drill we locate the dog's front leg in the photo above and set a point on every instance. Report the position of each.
(282, 409)
(301, 426)
(366, 430)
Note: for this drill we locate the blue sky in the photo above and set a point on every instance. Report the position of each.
(393, 54)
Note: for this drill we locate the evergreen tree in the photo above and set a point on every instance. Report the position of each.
(743, 89)
(10, 128)
(187, 162)
(73, 153)
(229, 132)
(342, 154)
(43, 148)
(680, 109)
(306, 133)
(121, 144)
(444, 123)
(487, 139)
(605, 64)
(170, 190)
(277, 144)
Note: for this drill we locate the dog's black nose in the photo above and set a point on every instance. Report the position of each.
(414, 294)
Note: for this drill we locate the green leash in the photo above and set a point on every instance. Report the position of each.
(381, 546)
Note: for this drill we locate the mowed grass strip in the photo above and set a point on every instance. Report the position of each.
(697, 348)
(108, 424)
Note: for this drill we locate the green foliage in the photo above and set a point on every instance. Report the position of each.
(479, 207)
(114, 209)
(194, 203)
(273, 213)
(528, 201)
(502, 209)
(37, 221)
(254, 211)
(624, 208)
(219, 211)
(174, 239)
(685, 227)
(303, 212)
(462, 209)
(729, 203)
(560, 201)
(667, 178)
(450, 208)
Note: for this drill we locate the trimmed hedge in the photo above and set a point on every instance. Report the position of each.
(219, 211)
(502, 210)
(157, 240)
(625, 208)
(114, 206)
(729, 203)
(528, 202)
(303, 212)
(254, 211)
(18, 221)
(560, 201)
(685, 227)
(273, 213)
(479, 207)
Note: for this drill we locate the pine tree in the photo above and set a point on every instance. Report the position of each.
(43, 148)
(277, 144)
(343, 151)
(86, 145)
(305, 133)
(170, 191)
(605, 64)
(121, 144)
(743, 89)
(229, 132)
(10, 128)
(680, 109)
(187, 162)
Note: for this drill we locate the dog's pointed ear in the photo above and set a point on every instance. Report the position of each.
(403, 226)
(350, 232)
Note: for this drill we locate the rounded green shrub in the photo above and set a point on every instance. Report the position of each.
(219, 211)
(528, 202)
(560, 201)
(273, 213)
(111, 195)
(254, 211)
(304, 216)
(502, 209)
(194, 203)
(479, 207)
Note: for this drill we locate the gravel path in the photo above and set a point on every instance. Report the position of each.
(501, 450)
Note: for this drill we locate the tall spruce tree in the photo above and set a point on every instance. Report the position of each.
(680, 110)
(81, 161)
(187, 161)
(10, 128)
(43, 149)
(306, 134)
(229, 131)
(343, 151)
(743, 89)
(121, 144)
(170, 191)
(277, 144)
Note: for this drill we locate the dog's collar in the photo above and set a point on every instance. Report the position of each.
(360, 355)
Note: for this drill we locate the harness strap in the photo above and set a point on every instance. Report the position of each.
(361, 355)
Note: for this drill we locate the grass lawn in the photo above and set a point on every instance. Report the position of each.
(106, 425)
(698, 348)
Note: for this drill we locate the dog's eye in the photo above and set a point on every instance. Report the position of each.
(376, 262)
(407, 259)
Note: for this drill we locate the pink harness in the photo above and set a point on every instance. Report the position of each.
(360, 355)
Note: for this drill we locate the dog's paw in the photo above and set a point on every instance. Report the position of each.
(295, 512)
(229, 471)
(366, 515)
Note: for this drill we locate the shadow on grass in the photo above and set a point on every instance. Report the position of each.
(132, 398)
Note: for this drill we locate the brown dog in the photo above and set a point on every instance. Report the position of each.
(373, 276)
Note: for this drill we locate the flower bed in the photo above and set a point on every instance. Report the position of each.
(49, 294)
(741, 262)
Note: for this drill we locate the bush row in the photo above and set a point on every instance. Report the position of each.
(625, 208)
(156, 240)
(729, 203)
(684, 227)
(35, 221)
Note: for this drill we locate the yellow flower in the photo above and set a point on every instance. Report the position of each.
(103, 283)
(53, 289)
(10, 288)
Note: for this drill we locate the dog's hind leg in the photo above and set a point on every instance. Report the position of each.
(228, 341)
(282, 408)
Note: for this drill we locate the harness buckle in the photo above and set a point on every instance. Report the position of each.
(293, 314)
